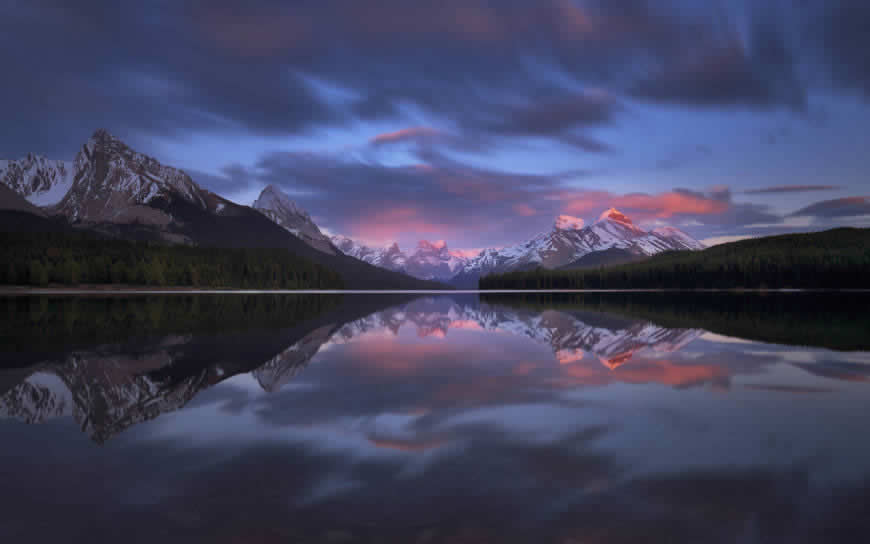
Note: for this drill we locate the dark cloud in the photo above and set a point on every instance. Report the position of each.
(840, 207)
(558, 117)
(759, 74)
(232, 177)
(839, 32)
(791, 189)
(509, 67)
(136, 69)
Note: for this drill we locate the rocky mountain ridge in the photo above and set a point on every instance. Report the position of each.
(614, 235)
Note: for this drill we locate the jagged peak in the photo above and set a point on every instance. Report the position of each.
(613, 214)
(436, 245)
(568, 222)
(31, 159)
(103, 137)
(271, 189)
(272, 198)
(102, 134)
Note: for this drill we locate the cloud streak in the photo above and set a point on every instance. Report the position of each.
(510, 68)
(791, 189)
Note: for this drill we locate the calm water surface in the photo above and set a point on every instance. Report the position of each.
(373, 418)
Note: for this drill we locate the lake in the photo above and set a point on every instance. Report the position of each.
(565, 418)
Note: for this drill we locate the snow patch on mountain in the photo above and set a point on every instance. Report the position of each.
(675, 234)
(115, 184)
(564, 245)
(43, 182)
(429, 260)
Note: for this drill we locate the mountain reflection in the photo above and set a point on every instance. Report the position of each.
(106, 388)
(616, 418)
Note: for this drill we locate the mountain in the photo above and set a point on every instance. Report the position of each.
(429, 261)
(833, 259)
(41, 181)
(11, 200)
(115, 184)
(391, 258)
(569, 241)
(605, 257)
(433, 260)
(613, 239)
(18, 215)
(277, 206)
(118, 192)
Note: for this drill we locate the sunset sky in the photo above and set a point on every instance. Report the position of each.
(476, 122)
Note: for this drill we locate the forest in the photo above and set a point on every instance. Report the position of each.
(71, 258)
(833, 259)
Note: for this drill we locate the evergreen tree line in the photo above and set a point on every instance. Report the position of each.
(40, 259)
(833, 259)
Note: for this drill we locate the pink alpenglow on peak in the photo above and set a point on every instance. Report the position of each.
(569, 222)
(430, 260)
(570, 241)
(426, 244)
(615, 215)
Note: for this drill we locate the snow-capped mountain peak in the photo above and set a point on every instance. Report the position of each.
(676, 234)
(615, 223)
(568, 222)
(429, 261)
(107, 182)
(391, 258)
(426, 245)
(433, 260)
(569, 241)
(114, 183)
(277, 206)
(615, 215)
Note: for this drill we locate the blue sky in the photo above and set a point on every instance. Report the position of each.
(471, 121)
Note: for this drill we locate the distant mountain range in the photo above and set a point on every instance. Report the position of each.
(613, 239)
(430, 260)
(114, 191)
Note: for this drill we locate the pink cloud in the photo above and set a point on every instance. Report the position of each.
(525, 210)
(391, 223)
(404, 134)
(644, 206)
(412, 445)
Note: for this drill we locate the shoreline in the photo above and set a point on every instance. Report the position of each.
(124, 290)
